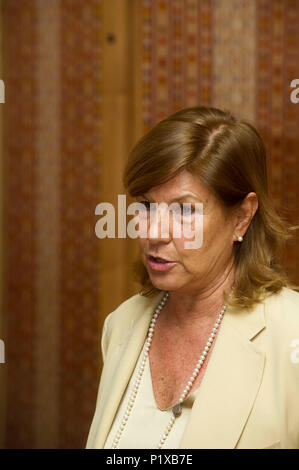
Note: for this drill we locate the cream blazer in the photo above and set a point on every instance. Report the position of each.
(249, 395)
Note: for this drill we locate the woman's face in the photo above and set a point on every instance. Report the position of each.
(196, 268)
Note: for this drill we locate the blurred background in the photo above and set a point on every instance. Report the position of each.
(84, 79)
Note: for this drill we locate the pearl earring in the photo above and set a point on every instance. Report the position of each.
(240, 238)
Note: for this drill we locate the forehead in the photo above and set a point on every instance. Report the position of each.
(182, 184)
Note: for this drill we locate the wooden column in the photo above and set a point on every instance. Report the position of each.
(2, 331)
(120, 130)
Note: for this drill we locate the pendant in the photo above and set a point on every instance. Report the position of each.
(177, 410)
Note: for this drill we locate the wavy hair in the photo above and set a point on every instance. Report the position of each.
(227, 154)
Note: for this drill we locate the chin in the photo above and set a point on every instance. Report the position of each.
(164, 284)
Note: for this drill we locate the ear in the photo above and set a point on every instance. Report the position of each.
(244, 215)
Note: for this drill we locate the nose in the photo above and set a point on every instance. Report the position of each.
(158, 224)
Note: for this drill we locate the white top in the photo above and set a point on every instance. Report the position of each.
(147, 423)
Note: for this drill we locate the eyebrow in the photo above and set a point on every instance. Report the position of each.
(178, 199)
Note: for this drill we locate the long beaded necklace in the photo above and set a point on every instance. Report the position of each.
(177, 409)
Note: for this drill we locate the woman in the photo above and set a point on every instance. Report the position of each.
(206, 355)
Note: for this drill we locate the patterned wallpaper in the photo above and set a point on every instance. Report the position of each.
(239, 55)
(53, 129)
(236, 54)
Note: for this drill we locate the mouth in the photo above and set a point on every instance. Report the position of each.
(160, 264)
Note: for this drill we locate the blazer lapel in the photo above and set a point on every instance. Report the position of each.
(230, 383)
(120, 370)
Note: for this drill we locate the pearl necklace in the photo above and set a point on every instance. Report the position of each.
(177, 409)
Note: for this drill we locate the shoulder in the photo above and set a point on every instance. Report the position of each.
(289, 296)
(282, 330)
(131, 309)
(282, 309)
(125, 316)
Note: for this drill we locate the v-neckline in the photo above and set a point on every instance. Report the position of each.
(147, 371)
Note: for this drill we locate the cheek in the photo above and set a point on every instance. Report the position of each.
(142, 243)
(216, 234)
(210, 233)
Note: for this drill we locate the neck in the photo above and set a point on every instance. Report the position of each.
(187, 310)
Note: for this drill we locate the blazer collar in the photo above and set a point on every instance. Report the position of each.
(227, 391)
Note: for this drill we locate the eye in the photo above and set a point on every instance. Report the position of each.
(187, 209)
(183, 210)
(179, 210)
(146, 205)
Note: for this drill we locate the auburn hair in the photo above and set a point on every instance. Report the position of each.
(228, 155)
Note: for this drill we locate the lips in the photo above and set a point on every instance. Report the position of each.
(160, 264)
(159, 259)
